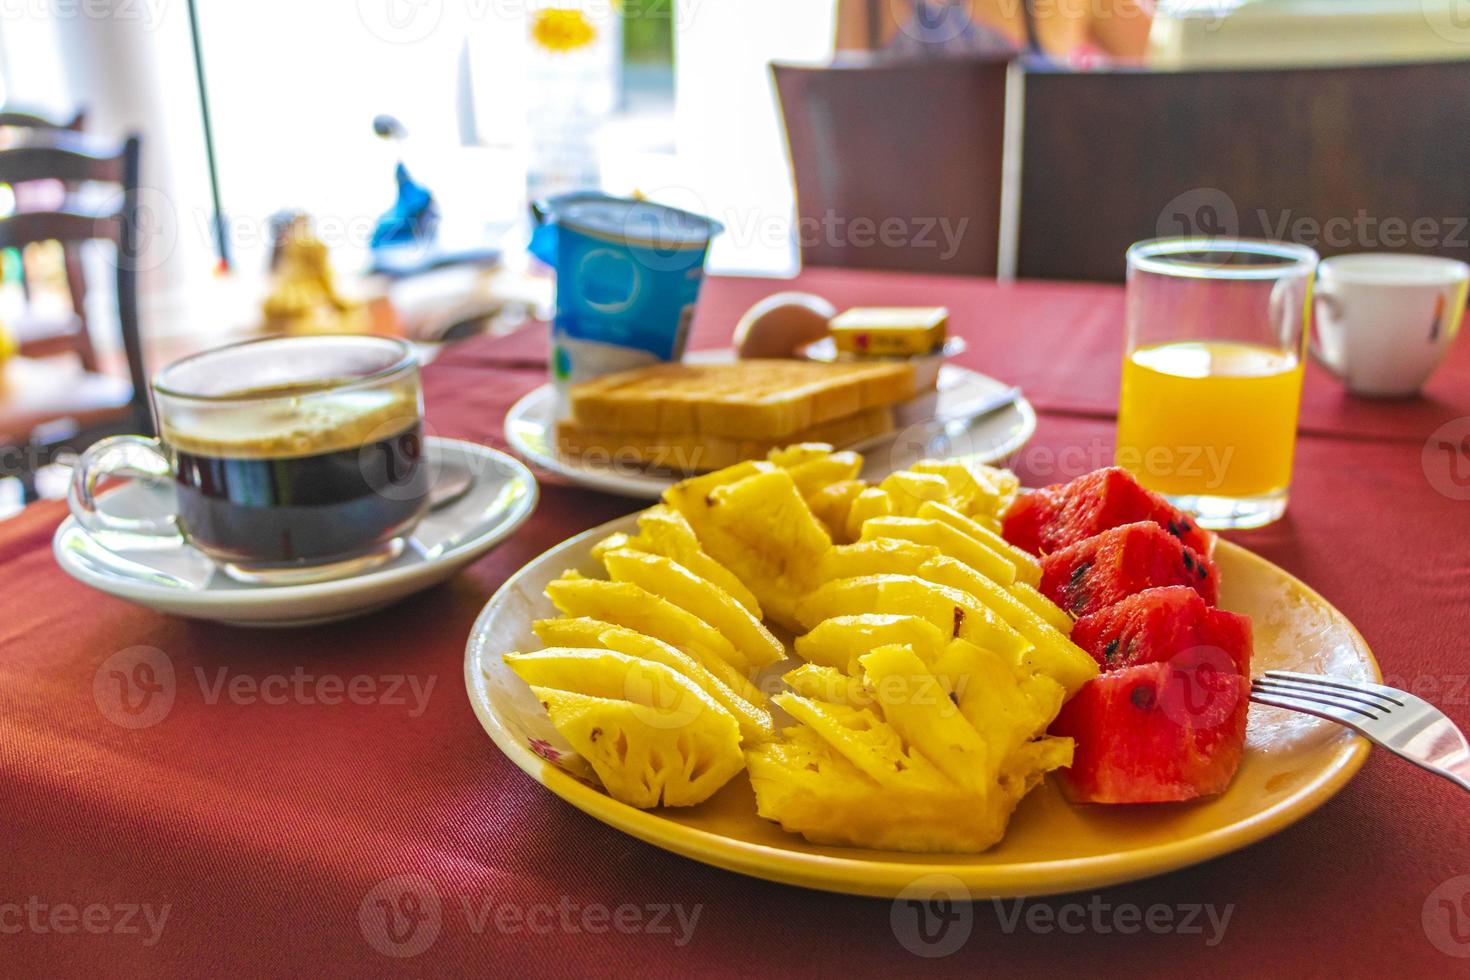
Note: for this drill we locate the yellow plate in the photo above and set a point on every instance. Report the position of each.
(1293, 763)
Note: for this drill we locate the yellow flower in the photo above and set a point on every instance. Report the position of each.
(562, 29)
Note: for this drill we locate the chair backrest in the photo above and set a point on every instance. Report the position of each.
(1341, 159)
(897, 164)
(78, 159)
(31, 120)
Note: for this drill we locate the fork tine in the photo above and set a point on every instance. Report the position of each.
(1352, 717)
(1360, 687)
(1340, 695)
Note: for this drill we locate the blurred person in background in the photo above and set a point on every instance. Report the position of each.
(1072, 32)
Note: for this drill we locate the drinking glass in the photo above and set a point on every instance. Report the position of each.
(1212, 373)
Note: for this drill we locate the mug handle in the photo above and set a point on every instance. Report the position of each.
(130, 456)
(1323, 297)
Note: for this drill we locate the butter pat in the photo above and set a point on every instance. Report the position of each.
(894, 331)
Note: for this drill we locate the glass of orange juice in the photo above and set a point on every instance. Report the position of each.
(1212, 373)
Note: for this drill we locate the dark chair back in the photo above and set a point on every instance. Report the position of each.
(31, 120)
(897, 164)
(77, 159)
(1341, 159)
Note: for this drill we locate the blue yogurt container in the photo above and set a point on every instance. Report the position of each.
(627, 276)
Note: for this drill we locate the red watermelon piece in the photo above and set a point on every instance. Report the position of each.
(1055, 517)
(1154, 733)
(1171, 624)
(1109, 567)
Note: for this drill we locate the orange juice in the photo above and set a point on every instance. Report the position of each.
(1214, 418)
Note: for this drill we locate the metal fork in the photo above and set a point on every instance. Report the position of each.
(1398, 721)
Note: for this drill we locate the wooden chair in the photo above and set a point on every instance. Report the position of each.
(1341, 159)
(39, 334)
(910, 147)
(46, 404)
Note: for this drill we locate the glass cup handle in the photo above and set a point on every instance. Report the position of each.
(130, 456)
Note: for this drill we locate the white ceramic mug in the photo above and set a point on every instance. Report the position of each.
(1386, 320)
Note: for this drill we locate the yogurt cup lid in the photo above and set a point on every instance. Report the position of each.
(643, 223)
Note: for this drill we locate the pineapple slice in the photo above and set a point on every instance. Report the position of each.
(953, 543)
(644, 765)
(1042, 606)
(626, 604)
(954, 612)
(733, 692)
(667, 578)
(839, 642)
(879, 556)
(908, 490)
(1028, 569)
(831, 505)
(760, 527)
(662, 697)
(978, 491)
(1052, 652)
(814, 466)
(828, 684)
(663, 531)
(1006, 708)
(919, 708)
(871, 503)
(861, 737)
(908, 770)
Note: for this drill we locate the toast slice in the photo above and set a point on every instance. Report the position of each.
(746, 400)
(699, 453)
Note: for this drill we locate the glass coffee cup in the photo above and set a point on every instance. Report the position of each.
(292, 459)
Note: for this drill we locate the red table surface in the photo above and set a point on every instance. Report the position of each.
(265, 830)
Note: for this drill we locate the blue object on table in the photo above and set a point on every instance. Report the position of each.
(413, 218)
(627, 276)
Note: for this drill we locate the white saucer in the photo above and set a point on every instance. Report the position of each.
(530, 428)
(171, 576)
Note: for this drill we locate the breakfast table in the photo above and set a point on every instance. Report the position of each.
(302, 782)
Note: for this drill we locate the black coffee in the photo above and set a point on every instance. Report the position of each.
(254, 506)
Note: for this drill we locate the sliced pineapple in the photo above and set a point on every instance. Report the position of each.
(1052, 653)
(827, 684)
(1042, 606)
(644, 765)
(667, 578)
(664, 698)
(1028, 569)
(977, 491)
(626, 604)
(862, 737)
(760, 528)
(839, 642)
(831, 505)
(733, 692)
(879, 556)
(868, 504)
(908, 490)
(916, 704)
(664, 531)
(1005, 707)
(814, 466)
(951, 542)
(954, 612)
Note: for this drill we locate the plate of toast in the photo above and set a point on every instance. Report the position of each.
(636, 433)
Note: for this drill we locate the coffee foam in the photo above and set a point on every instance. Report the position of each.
(278, 428)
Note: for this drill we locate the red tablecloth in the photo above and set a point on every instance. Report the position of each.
(250, 827)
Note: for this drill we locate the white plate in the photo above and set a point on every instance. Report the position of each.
(530, 428)
(173, 577)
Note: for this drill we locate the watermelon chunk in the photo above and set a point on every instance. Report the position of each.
(1154, 733)
(1108, 567)
(1165, 624)
(1054, 517)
